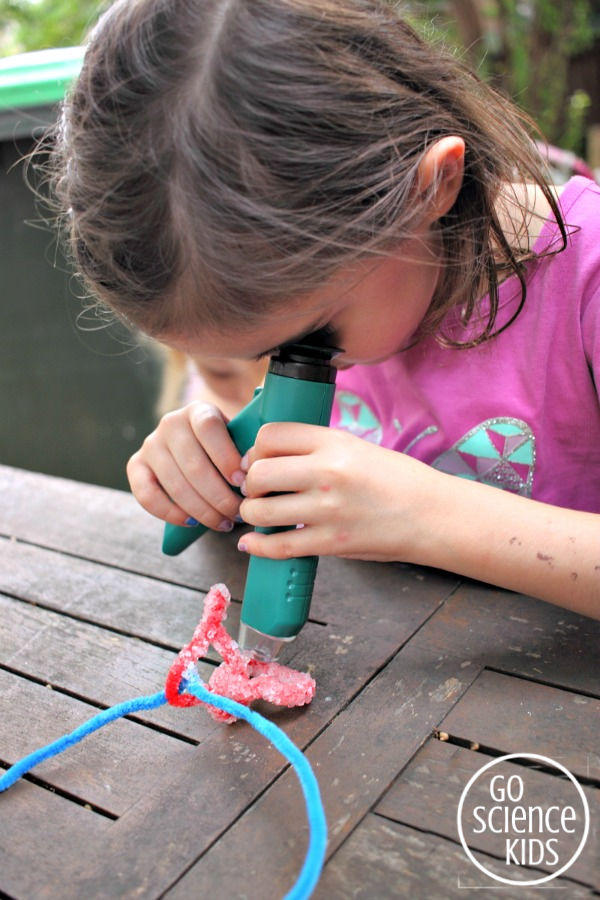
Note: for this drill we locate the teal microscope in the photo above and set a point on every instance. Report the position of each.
(299, 387)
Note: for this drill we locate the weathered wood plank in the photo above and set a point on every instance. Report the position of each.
(107, 667)
(98, 665)
(110, 769)
(396, 653)
(355, 759)
(130, 603)
(360, 753)
(108, 526)
(233, 766)
(122, 601)
(427, 793)
(377, 591)
(355, 657)
(519, 635)
(519, 716)
(230, 768)
(383, 859)
(41, 837)
(163, 612)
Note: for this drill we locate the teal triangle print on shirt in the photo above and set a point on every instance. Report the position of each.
(358, 418)
(499, 452)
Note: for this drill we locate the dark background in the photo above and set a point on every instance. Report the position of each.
(76, 398)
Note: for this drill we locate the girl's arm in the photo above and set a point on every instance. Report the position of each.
(520, 544)
(359, 500)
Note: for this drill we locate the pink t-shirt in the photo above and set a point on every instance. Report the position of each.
(521, 411)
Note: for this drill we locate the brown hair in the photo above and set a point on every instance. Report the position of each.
(218, 157)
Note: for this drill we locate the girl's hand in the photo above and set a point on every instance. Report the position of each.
(184, 469)
(353, 498)
(356, 499)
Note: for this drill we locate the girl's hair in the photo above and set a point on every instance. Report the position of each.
(216, 158)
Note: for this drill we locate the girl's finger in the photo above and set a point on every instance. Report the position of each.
(306, 541)
(279, 511)
(150, 495)
(202, 490)
(179, 491)
(285, 439)
(283, 474)
(210, 431)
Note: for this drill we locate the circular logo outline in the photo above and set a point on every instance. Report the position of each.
(546, 760)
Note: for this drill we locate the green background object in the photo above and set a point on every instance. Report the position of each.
(76, 397)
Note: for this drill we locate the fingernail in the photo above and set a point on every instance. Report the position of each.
(244, 488)
(238, 477)
(226, 525)
(242, 546)
(244, 462)
(191, 522)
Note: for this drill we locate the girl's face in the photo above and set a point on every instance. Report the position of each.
(370, 310)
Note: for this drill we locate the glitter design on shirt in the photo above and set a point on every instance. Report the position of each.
(500, 452)
(433, 429)
(358, 418)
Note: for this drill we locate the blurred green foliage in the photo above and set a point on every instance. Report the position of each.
(524, 47)
(38, 24)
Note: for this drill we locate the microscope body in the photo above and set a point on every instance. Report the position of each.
(299, 387)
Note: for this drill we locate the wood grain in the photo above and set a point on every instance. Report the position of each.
(91, 607)
(427, 792)
(383, 859)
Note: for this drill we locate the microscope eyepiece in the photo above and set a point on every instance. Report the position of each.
(306, 361)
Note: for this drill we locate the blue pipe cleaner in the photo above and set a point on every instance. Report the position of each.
(315, 855)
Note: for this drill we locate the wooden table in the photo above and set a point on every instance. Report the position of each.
(170, 803)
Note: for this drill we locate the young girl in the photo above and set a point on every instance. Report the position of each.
(239, 174)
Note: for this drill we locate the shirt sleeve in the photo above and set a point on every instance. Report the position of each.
(589, 279)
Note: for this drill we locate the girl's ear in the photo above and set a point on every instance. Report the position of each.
(441, 173)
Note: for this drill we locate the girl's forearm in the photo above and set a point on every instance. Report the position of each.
(523, 545)
(358, 500)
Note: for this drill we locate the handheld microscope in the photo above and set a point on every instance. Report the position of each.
(299, 387)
